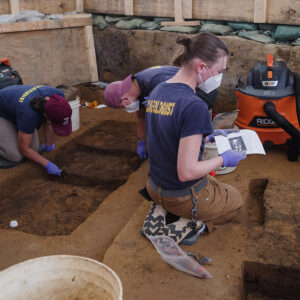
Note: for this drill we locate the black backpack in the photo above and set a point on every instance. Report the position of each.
(8, 76)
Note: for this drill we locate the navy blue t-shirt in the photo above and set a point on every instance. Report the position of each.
(148, 79)
(173, 112)
(15, 105)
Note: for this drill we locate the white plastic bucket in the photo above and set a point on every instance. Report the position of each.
(210, 151)
(75, 104)
(60, 277)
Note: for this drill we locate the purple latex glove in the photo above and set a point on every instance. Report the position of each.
(223, 132)
(52, 169)
(141, 150)
(232, 158)
(46, 148)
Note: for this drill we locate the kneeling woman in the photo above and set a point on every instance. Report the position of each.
(23, 109)
(178, 126)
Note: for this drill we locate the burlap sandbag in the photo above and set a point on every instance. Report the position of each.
(242, 26)
(256, 36)
(129, 25)
(115, 19)
(216, 29)
(150, 26)
(286, 33)
(183, 29)
(100, 22)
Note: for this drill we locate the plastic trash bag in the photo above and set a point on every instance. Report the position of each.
(54, 17)
(171, 253)
(27, 15)
(6, 18)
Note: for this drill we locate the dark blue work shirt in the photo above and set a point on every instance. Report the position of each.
(173, 112)
(148, 79)
(15, 105)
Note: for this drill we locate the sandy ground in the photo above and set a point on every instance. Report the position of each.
(111, 232)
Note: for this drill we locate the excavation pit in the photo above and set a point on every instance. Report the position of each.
(101, 161)
(48, 208)
(265, 281)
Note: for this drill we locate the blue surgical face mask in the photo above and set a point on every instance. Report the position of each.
(212, 83)
(134, 106)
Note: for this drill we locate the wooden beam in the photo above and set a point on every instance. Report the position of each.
(188, 9)
(48, 6)
(67, 21)
(54, 62)
(260, 11)
(178, 8)
(183, 23)
(128, 4)
(278, 11)
(90, 46)
(178, 12)
(14, 6)
(79, 5)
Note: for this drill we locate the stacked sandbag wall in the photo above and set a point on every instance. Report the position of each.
(127, 45)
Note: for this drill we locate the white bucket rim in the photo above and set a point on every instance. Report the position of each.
(74, 102)
(14, 268)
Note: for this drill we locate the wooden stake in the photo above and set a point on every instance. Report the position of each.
(181, 9)
(178, 10)
(79, 5)
(128, 4)
(188, 9)
(14, 6)
(90, 46)
(260, 11)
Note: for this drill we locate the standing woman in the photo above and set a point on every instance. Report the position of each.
(23, 109)
(178, 126)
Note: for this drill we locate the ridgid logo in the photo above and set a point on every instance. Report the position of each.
(263, 122)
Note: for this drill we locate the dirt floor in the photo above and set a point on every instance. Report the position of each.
(95, 210)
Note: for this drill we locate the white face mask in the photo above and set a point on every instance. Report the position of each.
(134, 106)
(211, 83)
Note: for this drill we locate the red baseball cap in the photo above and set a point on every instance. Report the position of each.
(59, 112)
(115, 90)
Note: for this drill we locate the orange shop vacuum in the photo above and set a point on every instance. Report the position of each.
(269, 103)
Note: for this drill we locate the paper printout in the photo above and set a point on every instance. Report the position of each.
(244, 140)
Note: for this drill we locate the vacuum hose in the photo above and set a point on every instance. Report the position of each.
(270, 110)
(297, 89)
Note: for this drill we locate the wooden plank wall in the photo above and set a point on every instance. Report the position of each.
(276, 11)
(63, 55)
(43, 6)
(67, 21)
(53, 57)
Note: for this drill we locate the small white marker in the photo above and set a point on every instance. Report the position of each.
(13, 223)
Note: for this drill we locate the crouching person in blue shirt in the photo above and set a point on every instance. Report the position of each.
(178, 126)
(130, 94)
(23, 109)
